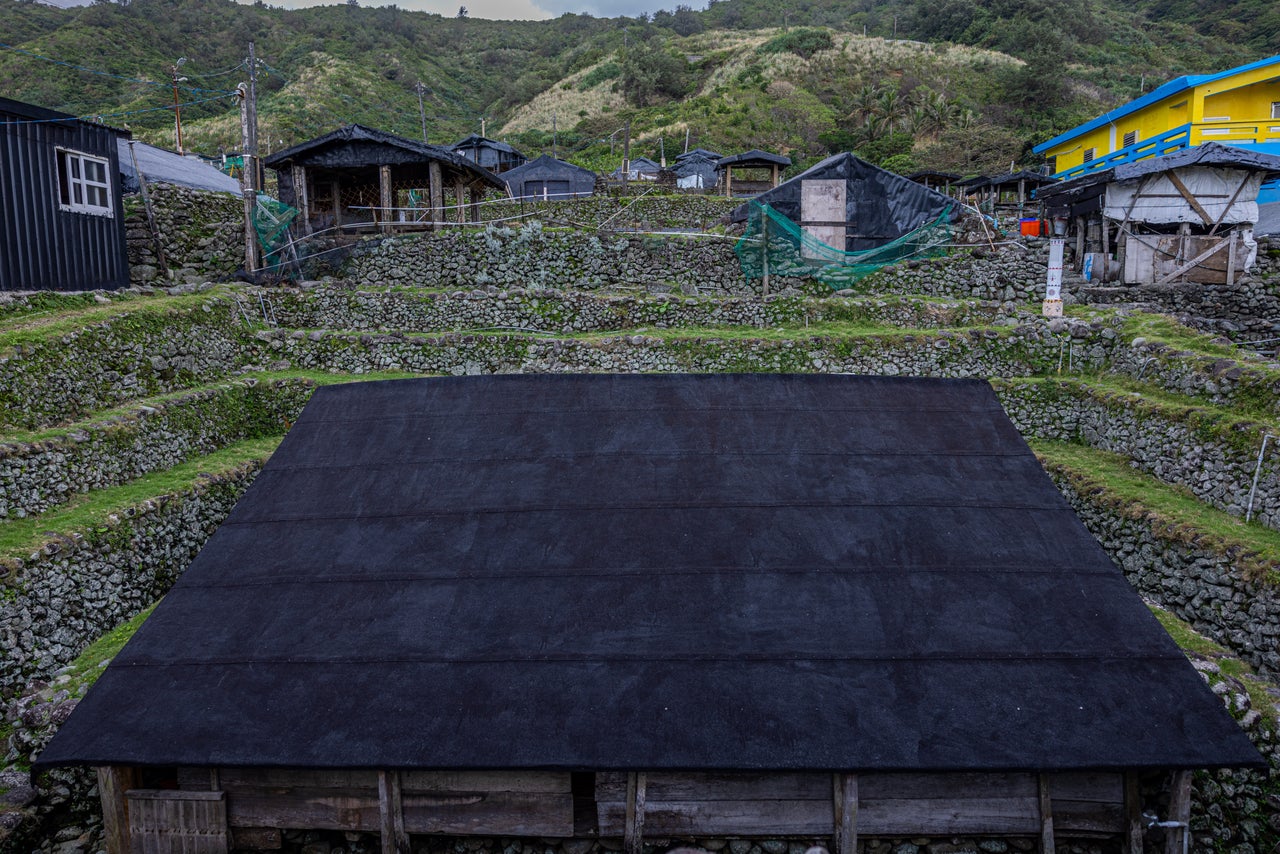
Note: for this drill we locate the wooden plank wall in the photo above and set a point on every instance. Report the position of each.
(799, 804)
(461, 803)
(169, 822)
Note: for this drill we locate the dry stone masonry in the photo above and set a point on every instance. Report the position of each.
(201, 233)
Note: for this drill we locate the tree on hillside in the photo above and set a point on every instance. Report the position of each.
(651, 74)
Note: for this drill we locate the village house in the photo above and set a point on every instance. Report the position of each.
(549, 179)
(61, 209)
(1238, 107)
(495, 156)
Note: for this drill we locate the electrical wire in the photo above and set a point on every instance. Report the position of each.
(93, 116)
(109, 74)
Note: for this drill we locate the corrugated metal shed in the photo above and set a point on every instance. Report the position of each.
(61, 216)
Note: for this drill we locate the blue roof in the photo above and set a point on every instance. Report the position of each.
(1173, 87)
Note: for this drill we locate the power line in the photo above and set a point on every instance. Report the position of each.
(91, 116)
(107, 73)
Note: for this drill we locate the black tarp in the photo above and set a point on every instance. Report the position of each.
(653, 572)
(879, 205)
(550, 178)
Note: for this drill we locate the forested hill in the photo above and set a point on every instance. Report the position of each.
(949, 84)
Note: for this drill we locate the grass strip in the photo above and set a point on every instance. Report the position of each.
(34, 330)
(1108, 478)
(19, 538)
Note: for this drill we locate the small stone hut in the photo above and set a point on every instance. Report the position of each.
(619, 607)
(358, 177)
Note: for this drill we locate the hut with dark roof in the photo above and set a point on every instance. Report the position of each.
(493, 155)
(603, 606)
(359, 177)
(548, 179)
(753, 160)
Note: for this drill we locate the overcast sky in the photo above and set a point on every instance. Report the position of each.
(503, 10)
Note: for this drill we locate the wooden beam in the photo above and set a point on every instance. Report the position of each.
(476, 196)
(384, 192)
(113, 782)
(1177, 839)
(844, 792)
(459, 190)
(1046, 815)
(1194, 262)
(1191, 200)
(633, 834)
(728, 181)
(1227, 209)
(437, 191)
(391, 809)
(1132, 813)
(300, 196)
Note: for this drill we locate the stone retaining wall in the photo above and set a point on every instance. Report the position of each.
(1200, 582)
(1208, 453)
(649, 211)
(202, 235)
(548, 310)
(533, 257)
(141, 353)
(80, 585)
(35, 476)
(970, 353)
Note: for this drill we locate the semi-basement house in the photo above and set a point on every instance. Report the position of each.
(663, 607)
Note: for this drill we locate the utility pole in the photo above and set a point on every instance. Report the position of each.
(626, 154)
(662, 152)
(483, 121)
(249, 177)
(177, 110)
(554, 137)
(422, 111)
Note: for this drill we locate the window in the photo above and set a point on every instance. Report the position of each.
(1130, 138)
(1088, 155)
(1052, 164)
(83, 183)
(1275, 109)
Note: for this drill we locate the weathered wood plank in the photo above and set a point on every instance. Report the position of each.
(177, 822)
(319, 809)
(711, 786)
(945, 816)
(257, 838)
(1088, 816)
(497, 814)
(1101, 786)
(845, 803)
(528, 782)
(391, 807)
(1179, 811)
(634, 809)
(232, 779)
(1133, 813)
(722, 818)
(113, 782)
(1046, 816)
(946, 785)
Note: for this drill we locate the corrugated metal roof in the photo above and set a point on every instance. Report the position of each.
(161, 166)
(1173, 87)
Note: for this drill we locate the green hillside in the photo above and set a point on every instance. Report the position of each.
(940, 83)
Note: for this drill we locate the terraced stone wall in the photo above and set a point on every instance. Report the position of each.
(201, 233)
(58, 600)
(535, 257)
(645, 210)
(1202, 449)
(41, 474)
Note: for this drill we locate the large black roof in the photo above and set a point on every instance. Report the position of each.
(653, 572)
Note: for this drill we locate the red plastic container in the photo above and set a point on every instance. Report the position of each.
(1032, 227)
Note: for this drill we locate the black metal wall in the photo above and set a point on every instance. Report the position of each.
(42, 246)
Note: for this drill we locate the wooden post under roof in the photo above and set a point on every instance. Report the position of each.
(300, 196)
(459, 191)
(437, 193)
(728, 181)
(1046, 815)
(633, 833)
(391, 812)
(476, 195)
(1132, 813)
(337, 204)
(113, 782)
(1176, 838)
(384, 193)
(774, 177)
(844, 802)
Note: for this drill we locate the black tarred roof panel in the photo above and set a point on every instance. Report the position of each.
(653, 572)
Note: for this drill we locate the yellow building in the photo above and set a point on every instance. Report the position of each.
(1239, 107)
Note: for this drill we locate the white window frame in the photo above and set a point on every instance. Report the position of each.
(78, 192)
(1275, 109)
